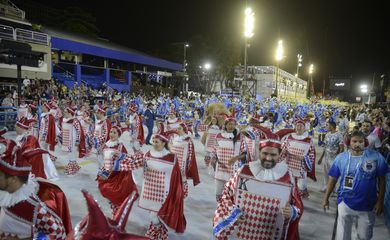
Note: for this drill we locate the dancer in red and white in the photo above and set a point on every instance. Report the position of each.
(208, 139)
(32, 116)
(83, 115)
(162, 189)
(173, 121)
(137, 138)
(183, 147)
(22, 110)
(298, 151)
(47, 131)
(116, 186)
(73, 141)
(26, 141)
(29, 206)
(261, 200)
(101, 133)
(230, 151)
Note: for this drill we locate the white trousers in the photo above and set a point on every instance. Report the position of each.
(363, 220)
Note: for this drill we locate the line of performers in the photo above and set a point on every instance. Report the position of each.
(260, 176)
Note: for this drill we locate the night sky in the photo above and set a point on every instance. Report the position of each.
(338, 37)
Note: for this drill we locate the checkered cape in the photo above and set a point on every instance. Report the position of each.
(300, 155)
(225, 150)
(257, 210)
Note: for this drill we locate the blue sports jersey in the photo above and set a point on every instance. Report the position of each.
(364, 170)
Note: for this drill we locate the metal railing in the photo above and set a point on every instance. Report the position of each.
(9, 9)
(31, 36)
(23, 35)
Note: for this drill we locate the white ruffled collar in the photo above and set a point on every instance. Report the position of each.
(178, 138)
(173, 120)
(67, 119)
(111, 143)
(10, 199)
(227, 135)
(261, 173)
(159, 154)
(299, 137)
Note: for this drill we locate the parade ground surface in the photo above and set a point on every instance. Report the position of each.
(199, 205)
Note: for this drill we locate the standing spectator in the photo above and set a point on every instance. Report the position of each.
(374, 142)
(8, 101)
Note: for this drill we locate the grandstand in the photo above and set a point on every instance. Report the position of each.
(74, 59)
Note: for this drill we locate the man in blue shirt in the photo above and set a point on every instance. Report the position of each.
(362, 188)
(149, 122)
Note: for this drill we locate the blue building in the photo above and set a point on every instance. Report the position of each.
(74, 59)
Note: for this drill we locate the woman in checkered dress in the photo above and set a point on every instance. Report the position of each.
(230, 152)
(208, 139)
(117, 185)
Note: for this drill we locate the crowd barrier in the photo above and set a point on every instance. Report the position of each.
(8, 118)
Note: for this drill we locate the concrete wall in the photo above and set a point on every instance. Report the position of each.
(44, 72)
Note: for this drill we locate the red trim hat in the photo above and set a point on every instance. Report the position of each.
(184, 126)
(300, 121)
(32, 106)
(228, 117)
(101, 109)
(133, 108)
(273, 139)
(71, 110)
(48, 106)
(165, 135)
(3, 131)
(118, 129)
(14, 161)
(24, 123)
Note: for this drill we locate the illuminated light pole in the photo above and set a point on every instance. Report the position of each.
(299, 65)
(310, 82)
(185, 46)
(279, 56)
(248, 33)
(207, 67)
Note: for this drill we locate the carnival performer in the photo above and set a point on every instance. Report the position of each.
(197, 122)
(116, 186)
(136, 128)
(48, 130)
(299, 153)
(73, 141)
(261, 200)
(162, 189)
(83, 115)
(333, 145)
(209, 138)
(362, 173)
(230, 152)
(101, 133)
(173, 121)
(182, 145)
(29, 206)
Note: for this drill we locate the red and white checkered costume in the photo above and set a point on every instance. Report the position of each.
(87, 125)
(22, 111)
(162, 189)
(136, 129)
(184, 149)
(73, 143)
(101, 135)
(29, 142)
(118, 185)
(26, 212)
(172, 123)
(258, 209)
(224, 150)
(47, 131)
(212, 132)
(298, 151)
